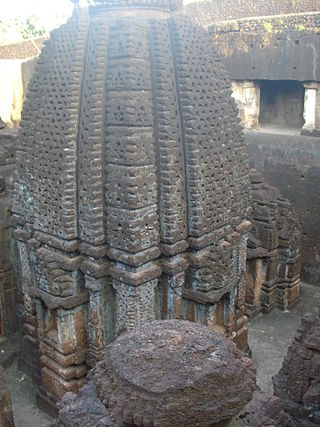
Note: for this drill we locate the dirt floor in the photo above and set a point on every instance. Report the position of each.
(23, 395)
(269, 338)
(279, 129)
(271, 334)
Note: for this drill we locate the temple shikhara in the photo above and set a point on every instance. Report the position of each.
(153, 205)
(131, 194)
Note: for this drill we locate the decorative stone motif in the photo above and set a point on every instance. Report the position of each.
(8, 305)
(131, 193)
(167, 373)
(273, 262)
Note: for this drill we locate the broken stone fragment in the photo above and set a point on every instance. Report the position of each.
(83, 410)
(167, 373)
(298, 381)
(263, 410)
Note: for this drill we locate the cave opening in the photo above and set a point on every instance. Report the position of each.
(281, 104)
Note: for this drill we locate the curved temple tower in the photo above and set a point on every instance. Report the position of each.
(132, 188)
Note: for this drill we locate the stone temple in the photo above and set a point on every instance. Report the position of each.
(131, 194)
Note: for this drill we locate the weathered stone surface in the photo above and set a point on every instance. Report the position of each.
(210, 11)
(167, 373)
(6, 414)
(173, 373)
(273, 260)
(132, 181)
(268, 48)
(275, 46)
(291, 163)
(263, 410)
(8, 291)
(82, 410)
(298, 381)
(8, 304)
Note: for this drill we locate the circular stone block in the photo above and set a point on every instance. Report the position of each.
(174, 373)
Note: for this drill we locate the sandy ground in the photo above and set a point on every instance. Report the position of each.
(23, 395)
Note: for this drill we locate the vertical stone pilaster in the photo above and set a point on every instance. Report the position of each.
(310, 106)
(8, 309)
(135, 305)
(251, 104)
(100, 325)
(175, 286)
(170, 294)
(62, 335)
(29, 359)
(247, 97)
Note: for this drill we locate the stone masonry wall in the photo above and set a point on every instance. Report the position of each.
(207, 12)
(271, 24)
(273, 48)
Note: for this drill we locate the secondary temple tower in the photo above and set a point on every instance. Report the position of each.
(131, 193)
